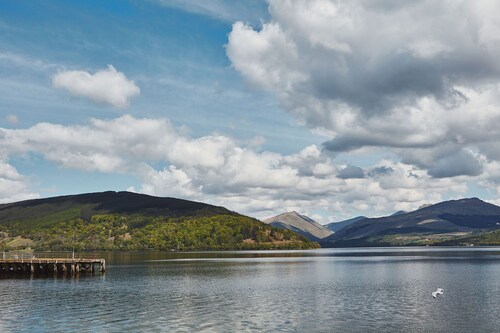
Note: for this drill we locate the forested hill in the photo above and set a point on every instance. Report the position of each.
(132, 221)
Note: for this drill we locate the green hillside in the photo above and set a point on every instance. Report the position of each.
(484, 239)
(49, 211)
(129, 221)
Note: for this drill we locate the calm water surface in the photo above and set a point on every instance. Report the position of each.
(327, 290)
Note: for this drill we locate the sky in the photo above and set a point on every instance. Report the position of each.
(330, 108)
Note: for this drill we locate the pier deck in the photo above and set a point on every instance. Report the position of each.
(39, 266)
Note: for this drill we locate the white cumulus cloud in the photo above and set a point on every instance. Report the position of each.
(420, 78)
(13, 186)
(106, 86)
(222, 170)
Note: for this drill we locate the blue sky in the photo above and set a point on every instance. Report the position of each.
(261, 106)
(176, 57)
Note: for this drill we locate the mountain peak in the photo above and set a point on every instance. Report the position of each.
(302, 224)
(467, 206)
(470, 200)
(424, 206)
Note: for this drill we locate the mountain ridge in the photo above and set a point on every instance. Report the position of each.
(111, 202)
(301, 224)
(336, 226)
(430, 225)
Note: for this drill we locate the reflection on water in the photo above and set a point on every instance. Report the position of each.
(328, 290)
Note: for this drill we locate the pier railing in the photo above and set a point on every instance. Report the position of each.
(41, 255)
(17, 255)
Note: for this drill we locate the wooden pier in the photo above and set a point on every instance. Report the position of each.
(51, 266)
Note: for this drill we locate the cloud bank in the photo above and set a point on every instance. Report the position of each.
(106, 86)
(420, 78)
(224, 171)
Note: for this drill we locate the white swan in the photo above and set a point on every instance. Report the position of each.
(439, 291)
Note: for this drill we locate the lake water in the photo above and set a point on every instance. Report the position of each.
(326, 290)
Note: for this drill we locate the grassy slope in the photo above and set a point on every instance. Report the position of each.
(50, 211)
(487, 238)
(484, 239)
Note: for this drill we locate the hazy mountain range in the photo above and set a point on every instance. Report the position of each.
(436, 224)
(455, 222)
(132, 221)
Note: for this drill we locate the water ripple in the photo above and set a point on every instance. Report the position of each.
(314, 293)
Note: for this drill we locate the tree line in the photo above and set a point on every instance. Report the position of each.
(109, 232)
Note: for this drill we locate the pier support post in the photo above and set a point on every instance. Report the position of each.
(53, 266)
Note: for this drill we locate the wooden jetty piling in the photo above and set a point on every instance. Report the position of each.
(45, 266)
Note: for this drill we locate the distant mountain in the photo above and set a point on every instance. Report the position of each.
(132, 221)
(430, 225)
(301, 224)
(336, 226)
